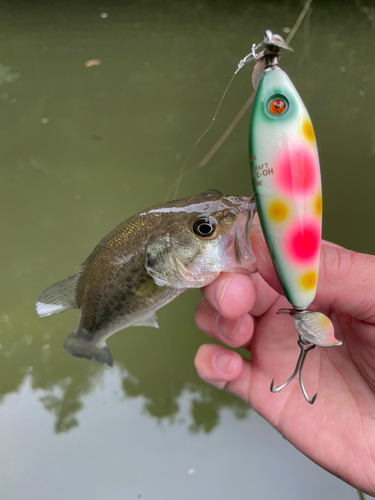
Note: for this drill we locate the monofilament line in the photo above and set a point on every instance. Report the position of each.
(202, 135)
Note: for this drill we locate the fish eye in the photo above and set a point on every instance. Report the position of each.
(277, 106)
(204, 227)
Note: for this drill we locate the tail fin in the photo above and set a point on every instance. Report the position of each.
(58, 297)
(80, 348)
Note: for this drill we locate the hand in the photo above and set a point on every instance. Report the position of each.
(338, 430)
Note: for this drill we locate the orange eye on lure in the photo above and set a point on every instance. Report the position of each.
(285, 172)
(277, 107)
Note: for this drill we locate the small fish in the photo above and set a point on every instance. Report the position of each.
(146, 262)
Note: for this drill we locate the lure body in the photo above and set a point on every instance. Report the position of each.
(285, 172)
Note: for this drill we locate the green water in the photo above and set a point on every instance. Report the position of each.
(82, 149)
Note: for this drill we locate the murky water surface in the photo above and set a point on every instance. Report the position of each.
(84, 146)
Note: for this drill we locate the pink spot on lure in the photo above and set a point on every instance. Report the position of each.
(303, 242)
(297, 171)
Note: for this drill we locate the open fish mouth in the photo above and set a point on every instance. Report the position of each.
(236, 246)
(242, 245)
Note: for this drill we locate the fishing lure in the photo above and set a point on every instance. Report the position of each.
(285, 174)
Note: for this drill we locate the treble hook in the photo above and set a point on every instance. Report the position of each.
(305, 348)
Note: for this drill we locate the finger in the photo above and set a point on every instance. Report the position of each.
(217, 365)
(265, 295)
(264, 262)
(231, 294)
(232, 332)
(347, 282)
(225, 370)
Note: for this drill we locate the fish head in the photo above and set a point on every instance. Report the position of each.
(200, 237)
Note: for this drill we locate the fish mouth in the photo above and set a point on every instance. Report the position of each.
(237, 251)
(242, 245)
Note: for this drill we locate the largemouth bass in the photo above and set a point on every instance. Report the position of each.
(146, 262)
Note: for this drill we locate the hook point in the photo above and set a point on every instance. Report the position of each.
(311, 401)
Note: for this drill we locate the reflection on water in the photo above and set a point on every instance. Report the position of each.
(83, 148)
(158, 384)
(120, 450)
(148, 370)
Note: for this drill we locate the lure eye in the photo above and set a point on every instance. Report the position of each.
(277, 106)
(204, 227)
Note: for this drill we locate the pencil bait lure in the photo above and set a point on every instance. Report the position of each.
(285, 174)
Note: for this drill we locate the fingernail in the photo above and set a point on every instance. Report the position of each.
(225, 361)
(227, 327)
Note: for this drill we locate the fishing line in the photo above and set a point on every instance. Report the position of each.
(297, 24)
(237, 118)
(213, 150)
(202, 135)
(240, 65)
